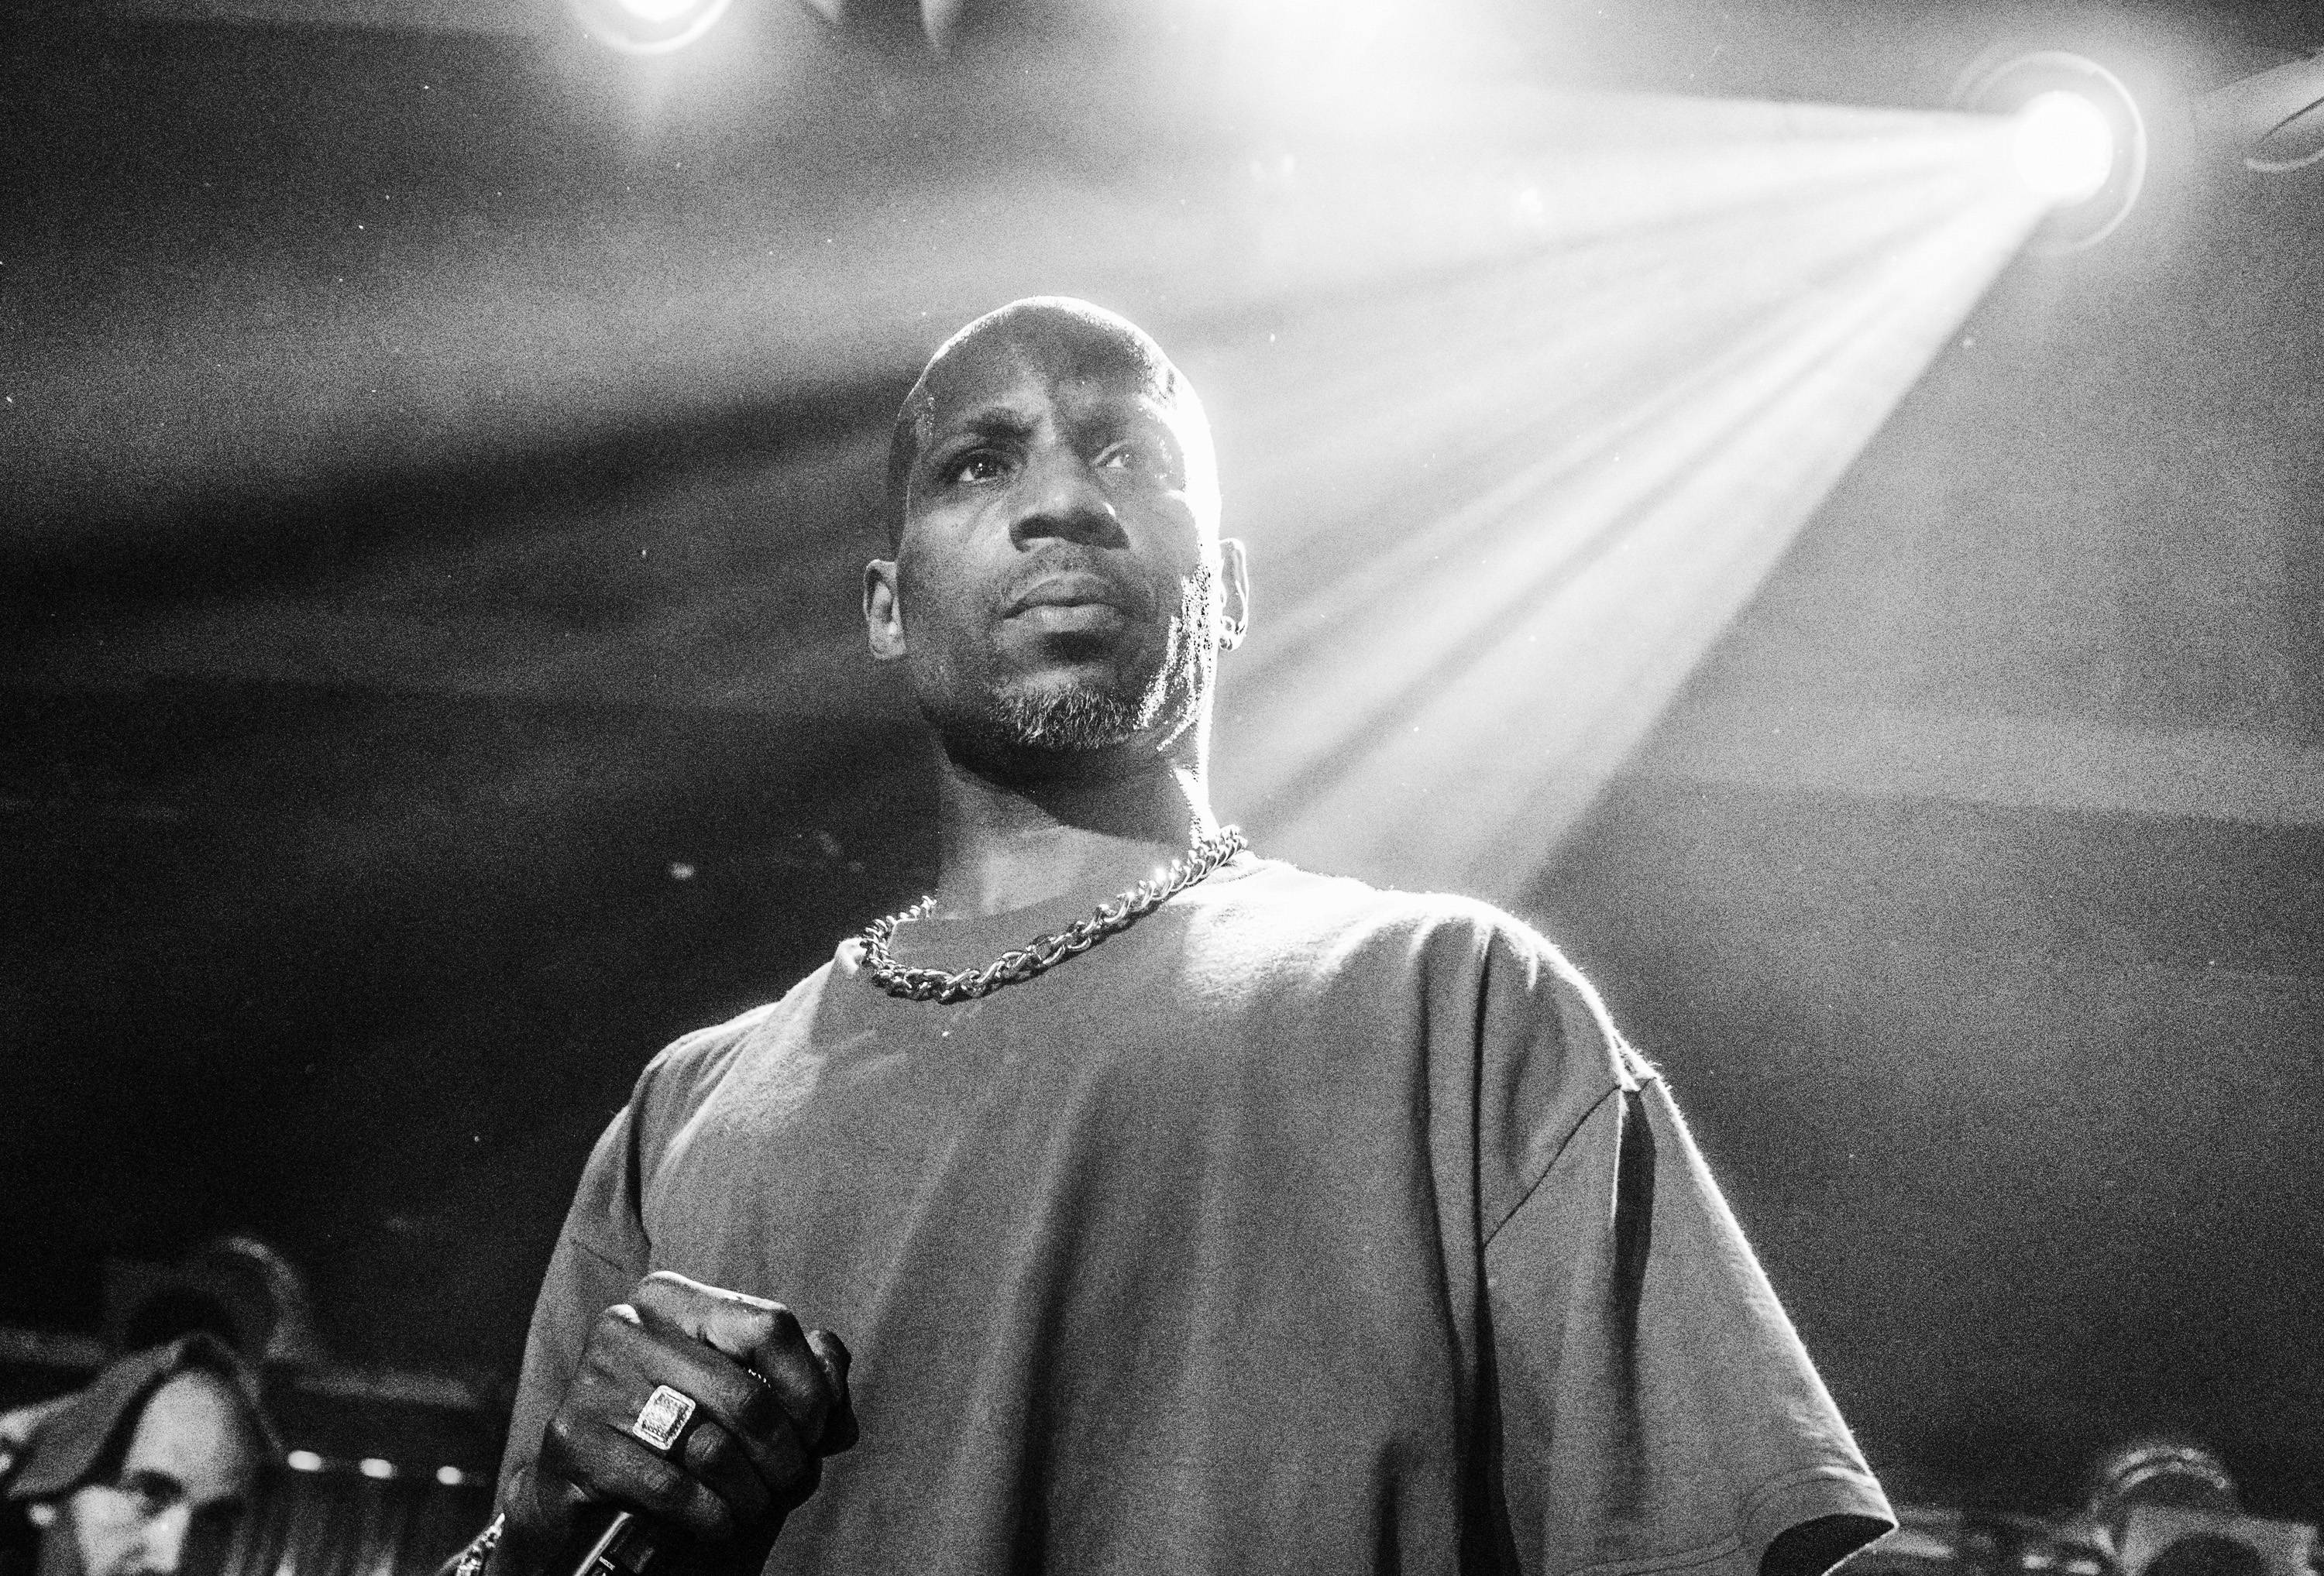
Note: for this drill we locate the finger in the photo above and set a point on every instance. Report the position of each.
(796, 1374)
(735, 1471)
(761, 1335)
(781, 1386)
(606, 1466)
(832, 1356)
(732, 1321)
(630, 1357)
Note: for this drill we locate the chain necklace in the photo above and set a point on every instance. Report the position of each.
(1043, 953)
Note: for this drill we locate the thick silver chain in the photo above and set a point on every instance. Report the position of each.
(1043, 953)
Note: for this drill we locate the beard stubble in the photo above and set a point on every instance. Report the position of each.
(1020, 717)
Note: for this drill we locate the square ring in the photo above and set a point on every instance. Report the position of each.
(662, 1420)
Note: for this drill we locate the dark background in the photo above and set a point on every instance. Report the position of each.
(388, 763)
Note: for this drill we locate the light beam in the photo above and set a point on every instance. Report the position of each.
(1535, 497)
(1519, 395)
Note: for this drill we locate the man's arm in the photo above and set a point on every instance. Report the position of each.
(1655, 1406)
(769, 1399)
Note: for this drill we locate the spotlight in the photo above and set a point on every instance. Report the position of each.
(2064, 146)
(648, 27)
(2079, 141)
(656, 27)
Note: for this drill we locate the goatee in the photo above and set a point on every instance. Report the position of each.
(1087, 715)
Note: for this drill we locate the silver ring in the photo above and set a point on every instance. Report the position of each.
(661, 1421)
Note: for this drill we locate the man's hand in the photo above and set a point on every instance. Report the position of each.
(770, 1402)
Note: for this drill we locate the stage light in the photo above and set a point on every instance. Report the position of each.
(2063, 147)
(2078, 140)
(658, 27)
(648, 27)
(2273, 120)
(2169, 1507)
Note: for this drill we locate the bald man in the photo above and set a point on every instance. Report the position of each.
(1174, 1209)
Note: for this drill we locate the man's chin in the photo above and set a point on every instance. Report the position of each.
(1069, 719)
(1056, 728)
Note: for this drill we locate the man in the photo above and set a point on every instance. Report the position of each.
(1244, 1219)
(147, 1471)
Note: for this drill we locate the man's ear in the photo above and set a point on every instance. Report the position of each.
(1234, 593)
(883, 610)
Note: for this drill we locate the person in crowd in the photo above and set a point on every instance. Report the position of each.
(146, 1471)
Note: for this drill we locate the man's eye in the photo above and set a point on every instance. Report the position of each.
(221, 1515)
(1129, 457)
(979, 465)
(152, 1493)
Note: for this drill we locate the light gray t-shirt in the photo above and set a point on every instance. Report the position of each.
(1300, 1227)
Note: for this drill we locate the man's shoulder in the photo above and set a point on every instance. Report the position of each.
(1284, 895)
(703, 1056)
(1464, 946)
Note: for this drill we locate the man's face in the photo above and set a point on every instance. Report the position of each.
(1059, 587)
(188, 1471)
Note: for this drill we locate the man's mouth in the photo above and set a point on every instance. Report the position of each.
(1069, 589)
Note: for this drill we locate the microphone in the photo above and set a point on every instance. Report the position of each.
(626, 1547)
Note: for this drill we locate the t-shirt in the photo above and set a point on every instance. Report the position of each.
(1302, 1227)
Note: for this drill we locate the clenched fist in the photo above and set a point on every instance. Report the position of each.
(770, 1403)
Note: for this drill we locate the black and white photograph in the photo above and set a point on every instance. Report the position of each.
(1088, 787)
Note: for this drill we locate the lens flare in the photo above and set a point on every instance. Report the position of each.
(648, 27)
(2064, 146)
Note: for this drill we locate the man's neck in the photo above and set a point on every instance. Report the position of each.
(1007, 845)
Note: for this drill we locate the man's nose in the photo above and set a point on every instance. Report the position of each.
(1059, 496)
(163, 1546)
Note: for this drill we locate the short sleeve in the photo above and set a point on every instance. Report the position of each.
(602, 1254)
(1656, 1411)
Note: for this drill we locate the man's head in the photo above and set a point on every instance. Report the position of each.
(1059, 592)
(145, 1469)
(184, 1477)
